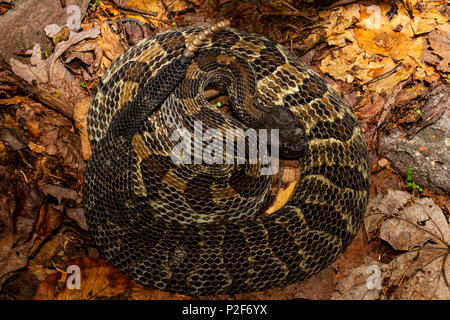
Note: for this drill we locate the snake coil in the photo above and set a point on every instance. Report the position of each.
(196, 228)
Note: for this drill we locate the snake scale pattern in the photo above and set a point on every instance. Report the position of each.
(197, 229)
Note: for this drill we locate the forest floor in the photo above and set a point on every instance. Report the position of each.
(388, 59)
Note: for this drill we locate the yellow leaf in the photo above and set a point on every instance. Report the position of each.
(99, 279)
(36, 148)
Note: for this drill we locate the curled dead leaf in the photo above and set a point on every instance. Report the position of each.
(419, 228)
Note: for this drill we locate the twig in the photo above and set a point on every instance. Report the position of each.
(284, 13)
(43, 97)
(166, 7)
(390, 101)
(340, 3)
(135, 10)
(383, 75)
(287, 4)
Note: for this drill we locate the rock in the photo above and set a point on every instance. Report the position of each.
(29, 31)
(427, 154)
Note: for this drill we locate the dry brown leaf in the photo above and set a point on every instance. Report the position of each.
(50, 74)
(77, 215)
(59, 192)
(26, 222)
(12, 139)
(440, 42)
(155, 6)
(140, 292)
(99, 279)
(33, 128)
(419, 275)
(290, 179)
(48, 221)
(353, 285)
(12, 257)
(13, 100)
(40, 264)
(47, 288)
(420, 229)
(416, 225)
(49, 138)
(376, 45)
(109, 42)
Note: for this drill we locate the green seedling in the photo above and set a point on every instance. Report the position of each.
(45, 48)
(411, 183)
(218, 104)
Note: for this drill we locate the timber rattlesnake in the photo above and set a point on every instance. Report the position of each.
(194, 228)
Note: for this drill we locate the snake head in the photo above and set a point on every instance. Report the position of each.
(292, 140)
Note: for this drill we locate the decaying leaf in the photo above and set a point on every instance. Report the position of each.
(155, 6)
(440, 42)
(416, 227)
(110, 43)
(99, 279)
(356, 283)
(59, 192)
(376, 45)
(25, 222)
(404, 53)
(77, 215)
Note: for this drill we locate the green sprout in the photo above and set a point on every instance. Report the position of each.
(409, 174)
(82, 85)
(411, 183)
(95, 4)
(419, 112)
(45, 48)
(174, 24)
(218, 104)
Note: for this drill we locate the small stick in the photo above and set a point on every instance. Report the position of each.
(42, 96)
(135, 10)
(340, 3)
(287, 4)
(386, 74)
(390, 101)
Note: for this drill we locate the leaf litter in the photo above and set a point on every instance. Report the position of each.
(383, 59)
